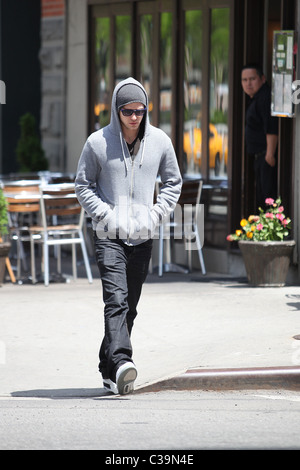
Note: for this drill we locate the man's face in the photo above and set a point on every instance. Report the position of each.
(131, 122)
(251, 81)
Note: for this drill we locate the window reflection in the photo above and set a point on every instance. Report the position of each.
(218, 109)
(165, 72)
(103, 55)
(146, 55)
(192, 138)
(101, 84)
(123, 47)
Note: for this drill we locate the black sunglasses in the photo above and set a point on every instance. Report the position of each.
(137, 112)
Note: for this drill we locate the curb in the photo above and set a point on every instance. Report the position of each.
(230, 379)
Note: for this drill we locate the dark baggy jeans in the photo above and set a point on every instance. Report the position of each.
(123, 270)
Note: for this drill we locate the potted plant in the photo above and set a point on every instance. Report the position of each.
(4, 243)
(266, 249)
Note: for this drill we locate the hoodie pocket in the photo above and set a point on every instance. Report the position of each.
(142, 223)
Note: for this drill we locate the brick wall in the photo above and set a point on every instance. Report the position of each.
(52, 8)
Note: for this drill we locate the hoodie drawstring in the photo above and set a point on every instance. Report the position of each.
(124, 156)
(144, 145)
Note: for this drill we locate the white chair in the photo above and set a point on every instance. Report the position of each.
(62, 220)
(183, 225)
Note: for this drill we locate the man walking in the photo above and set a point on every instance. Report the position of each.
(115, 184)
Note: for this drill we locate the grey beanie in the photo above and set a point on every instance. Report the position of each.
(130, 93)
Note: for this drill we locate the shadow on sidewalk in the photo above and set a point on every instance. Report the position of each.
(63, 393)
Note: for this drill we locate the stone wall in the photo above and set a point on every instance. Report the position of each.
(53, 77)
(77, 84)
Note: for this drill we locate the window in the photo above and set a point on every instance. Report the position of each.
(192, 93)
(111, 56)
(146, 56)
(123, 48)
(101, 80)
(180, 53)
(165, 67)
(218, 106)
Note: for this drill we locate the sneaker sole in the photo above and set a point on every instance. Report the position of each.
(126, 376)
(110, 386)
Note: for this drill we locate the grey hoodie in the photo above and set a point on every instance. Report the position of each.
(117, 191)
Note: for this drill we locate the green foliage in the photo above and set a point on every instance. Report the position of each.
(3, 215)
(30, 154)
(218, 116)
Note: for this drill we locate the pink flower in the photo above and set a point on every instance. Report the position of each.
(280, 217)
(280, 209)
(285, 222)
(269, 201)
(259, 227)
(269, 215)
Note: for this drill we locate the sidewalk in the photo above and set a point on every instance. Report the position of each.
(192, 331)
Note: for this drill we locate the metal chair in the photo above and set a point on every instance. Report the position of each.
(62, 220)
(23, 207)
(183, 224)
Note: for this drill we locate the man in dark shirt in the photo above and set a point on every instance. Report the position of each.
(261, 133)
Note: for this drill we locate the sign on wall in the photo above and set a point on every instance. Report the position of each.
(283, 73)
(2, 92)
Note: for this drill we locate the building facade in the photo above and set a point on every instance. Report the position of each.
(188, 54)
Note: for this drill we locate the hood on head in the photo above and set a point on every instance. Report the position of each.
(127, 91)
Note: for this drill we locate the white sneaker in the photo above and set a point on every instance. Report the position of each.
(126, 375)
(110, 386)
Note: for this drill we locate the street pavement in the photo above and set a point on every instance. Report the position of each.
(192, 332)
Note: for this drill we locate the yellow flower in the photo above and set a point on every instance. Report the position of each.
(243, 222)
(238, 233)
(253, 218)
(249, 235)
(253, 228)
